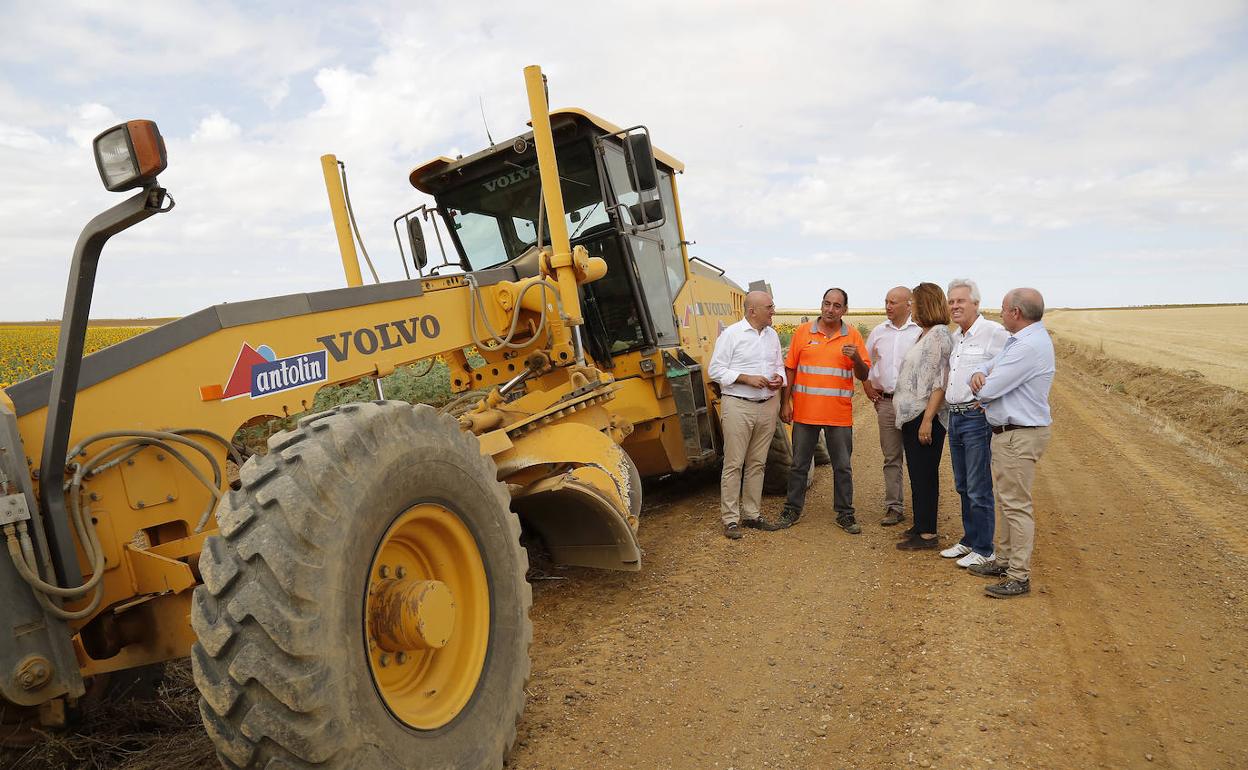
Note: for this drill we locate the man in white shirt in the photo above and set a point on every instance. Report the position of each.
(749, 367)
(976, 340)
(887, 344)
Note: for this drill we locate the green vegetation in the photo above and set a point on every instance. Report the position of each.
(426, 382)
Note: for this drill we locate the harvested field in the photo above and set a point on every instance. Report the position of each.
(1211, 340)
(811, 648)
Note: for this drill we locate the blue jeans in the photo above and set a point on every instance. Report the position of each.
(970, 449)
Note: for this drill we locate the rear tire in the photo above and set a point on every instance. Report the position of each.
(282, 662)
(780, 461)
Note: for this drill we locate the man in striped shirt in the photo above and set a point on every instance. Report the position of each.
(824, 358)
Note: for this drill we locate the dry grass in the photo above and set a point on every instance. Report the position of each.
(1207, 410)
(1211, 340)
(128, 734)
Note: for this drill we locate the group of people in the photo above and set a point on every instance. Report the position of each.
(983, 385)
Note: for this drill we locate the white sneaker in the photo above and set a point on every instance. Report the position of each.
(954, 551)
(972, 559)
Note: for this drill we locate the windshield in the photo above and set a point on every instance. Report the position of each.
(494, 216)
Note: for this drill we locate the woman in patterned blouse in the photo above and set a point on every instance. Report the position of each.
(919, 402)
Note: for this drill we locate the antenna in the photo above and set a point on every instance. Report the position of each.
(481, 102)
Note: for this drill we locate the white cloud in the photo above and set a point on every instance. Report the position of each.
(88, 122)
(216, 128)
(822, 259)
(19, 138)
(816, 134)
(87, 42)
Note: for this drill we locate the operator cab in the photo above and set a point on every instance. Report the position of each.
(488, 207)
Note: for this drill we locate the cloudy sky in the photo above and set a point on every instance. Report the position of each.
(1095, 150)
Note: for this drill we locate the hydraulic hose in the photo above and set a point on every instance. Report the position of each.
(497, 341)
(17, 536)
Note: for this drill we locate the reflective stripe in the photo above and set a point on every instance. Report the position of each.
(823, 391)
(826, 370)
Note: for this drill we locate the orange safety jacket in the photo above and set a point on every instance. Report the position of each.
(823, 383)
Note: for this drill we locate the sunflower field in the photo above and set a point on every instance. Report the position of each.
(29, 350)
(785, 331)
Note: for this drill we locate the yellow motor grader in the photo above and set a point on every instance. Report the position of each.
(356, 595)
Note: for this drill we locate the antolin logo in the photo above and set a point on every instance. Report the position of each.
(259, 372)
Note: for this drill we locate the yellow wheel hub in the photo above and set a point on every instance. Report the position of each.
(427, 616)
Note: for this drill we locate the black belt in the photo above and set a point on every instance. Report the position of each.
(964, 407)
(751, 400)
(886, 395)
(996, 429)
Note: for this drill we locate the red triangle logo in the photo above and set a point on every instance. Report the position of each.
(239, 383)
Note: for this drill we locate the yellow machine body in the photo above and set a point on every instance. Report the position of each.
(559, 405)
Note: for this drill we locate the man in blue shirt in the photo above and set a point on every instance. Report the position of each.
(1014, 390)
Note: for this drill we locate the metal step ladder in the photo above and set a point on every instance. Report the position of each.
(684, 374)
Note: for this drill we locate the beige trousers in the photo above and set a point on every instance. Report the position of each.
(891, 446)
(748, 427)
(1014, 457)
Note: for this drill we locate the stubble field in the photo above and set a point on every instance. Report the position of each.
(1211, 340)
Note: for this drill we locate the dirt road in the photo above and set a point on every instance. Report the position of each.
(811, 648)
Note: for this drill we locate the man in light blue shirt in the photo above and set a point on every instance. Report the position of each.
(1014, 390)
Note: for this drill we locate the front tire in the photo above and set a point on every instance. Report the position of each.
(287, 663)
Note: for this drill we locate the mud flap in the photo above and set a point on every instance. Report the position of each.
(580, 497)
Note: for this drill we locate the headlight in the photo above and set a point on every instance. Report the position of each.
(130, 155)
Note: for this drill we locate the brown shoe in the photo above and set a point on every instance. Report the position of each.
(732, 531)
(891, 518)
(991, 569)
(917, 542)
(760, 523)
(1008, 589)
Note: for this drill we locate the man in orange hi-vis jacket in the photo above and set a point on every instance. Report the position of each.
(824, 358)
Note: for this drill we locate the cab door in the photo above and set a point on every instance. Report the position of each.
(645, 249)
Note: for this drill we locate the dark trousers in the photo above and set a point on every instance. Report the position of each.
(970, 450)
(923, 462)
(840, 441)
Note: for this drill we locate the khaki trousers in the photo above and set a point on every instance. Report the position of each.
(748, 427)
(891, 446)
(1014, 457)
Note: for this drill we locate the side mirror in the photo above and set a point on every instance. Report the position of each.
(416, 239)
(647, 212)
(642, 174)
(643, 178)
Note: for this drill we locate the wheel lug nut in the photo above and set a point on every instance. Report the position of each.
(402, 658)
(385, 660)
(400, 572)
(384, 571)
